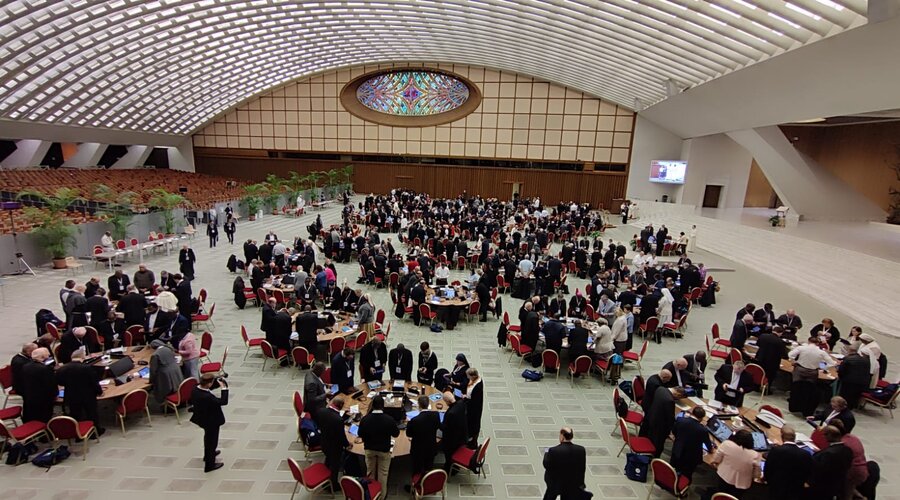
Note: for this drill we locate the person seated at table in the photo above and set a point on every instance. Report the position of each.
(144, 279)
(765, 317)
(577, 305)
(307, 325)
(557, 308)
(827, 333)
(554, 333)
(603, 342)
(307, 293)
(373, 360)
(342, 369)
(107, 242)
(400, 363)
(331, 300)
(578, 339)
(838, 410)
(282, 326)
(791, 324)
(690, 438)
(428, 363)
(109, 329)
(731, 384)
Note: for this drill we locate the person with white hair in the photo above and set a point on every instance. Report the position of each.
(39, 395)
(871, 349)
(740, 332)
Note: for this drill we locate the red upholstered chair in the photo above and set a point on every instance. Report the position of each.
(519, 349)
(6, 384)
(601, 366)
(250, 343)
(52, 330)
(383, 335)
(550, 360)
(717, 340)
(636, 444)
(202, 295)
(11, 413)
(818, 438)
(426, 313)
(314, 478)
(393, 281)
(279, 297)
(353, 490)
(631, 417)
(379, 319)
(869, 398)
(580, 366)
(667, 479)
(206, 340)
(23, 434)
(462, 458)
(735, 355)
(637, 388)
(215, 367)
(92, 338)
(637, 356)
(206, 319)
(460, 262)
(357, 343)
(759, 379)
(714, 354)
(473, 310)
(301, 358)
(273, 353)
(180, 397)
(335, 346)
(326, 376)
(650, 326)
(62, 427)
(510, 328)
(501, 283)
(434, 482)
(137, 334)
(723, 496)
(133, 402)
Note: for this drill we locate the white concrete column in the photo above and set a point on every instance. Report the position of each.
(135, 157)
(181, 157)
(88, 154)
(28, 153)
(802, 184)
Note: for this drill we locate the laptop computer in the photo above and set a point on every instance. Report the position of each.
(718, 429)
(120, 369)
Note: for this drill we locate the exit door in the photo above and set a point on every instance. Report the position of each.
(516, 190)
(711, 196)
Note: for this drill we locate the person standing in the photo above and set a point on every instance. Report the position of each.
(186, 260)
(422, 432)
(373, 360)
(208, 416)
(376, 430)
(453, 428)
(334, 436)
(690, 438)
(342, 369)
(854, 372)
(230, 227)
(474, 397)
(428, 363)
(830, 467)
(400, 363)
(212, 230)
(315, 394)
(737, 464)
(658, 422)
(564, 467)
(40, 390)
(81, 390)
(787, 467)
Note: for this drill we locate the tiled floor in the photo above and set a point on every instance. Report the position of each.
(522, 418)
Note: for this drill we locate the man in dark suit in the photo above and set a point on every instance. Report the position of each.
(653, 381)
(183, 294)
(830, 465)
(554, 333)
(133, 307)
(417, 295)
(208, 415)
(680, 375)
(741, 331)
(373, 360)
(400, 363)
(854, 374)
(342, 369)
(17, 363)
(530, 327)
(267, 325)
(787, 467)
(117, 284)
(771, 351)
(564, 466)
(307, 327)
(81, 390)
(658, 422)
(696, 366)
(315, 394)
(334, 437)
(454, 429)
(690, 437)
(69, 343)
(281, 332)
(731, 384)
(97, 306)
(40, 389)
(578, 338)
(422, 431)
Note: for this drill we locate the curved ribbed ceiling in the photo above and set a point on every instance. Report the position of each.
(170, 66)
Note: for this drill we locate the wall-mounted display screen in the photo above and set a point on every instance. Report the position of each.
(668, 171)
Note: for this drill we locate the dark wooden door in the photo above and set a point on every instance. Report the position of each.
(711, 196)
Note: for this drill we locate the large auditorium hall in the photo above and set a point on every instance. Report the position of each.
(458, 249)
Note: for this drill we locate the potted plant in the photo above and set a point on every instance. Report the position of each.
(313, 179)
(118, 211)
(166, 202)
(347, 176)
(295, 184)
(253, 194)
(53, 229)
(275, 186)
(333, 180)
(775, 220)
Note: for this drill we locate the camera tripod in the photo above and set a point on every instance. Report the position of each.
(23, 268)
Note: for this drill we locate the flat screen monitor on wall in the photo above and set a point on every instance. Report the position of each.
(668, 171)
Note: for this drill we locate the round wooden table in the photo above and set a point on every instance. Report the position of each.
(395, 405)
(449, 309)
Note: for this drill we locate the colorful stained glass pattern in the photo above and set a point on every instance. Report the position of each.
(412, 93)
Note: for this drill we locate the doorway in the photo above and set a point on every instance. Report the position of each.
(516, 190)
(711, 196)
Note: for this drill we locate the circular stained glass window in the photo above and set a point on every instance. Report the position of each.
(412, 93)
(410, 97)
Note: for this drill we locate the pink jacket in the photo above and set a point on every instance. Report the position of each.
(188, 348)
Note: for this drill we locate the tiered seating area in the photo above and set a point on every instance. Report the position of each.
(202, 190)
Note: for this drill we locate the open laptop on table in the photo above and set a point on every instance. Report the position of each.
(120, 369)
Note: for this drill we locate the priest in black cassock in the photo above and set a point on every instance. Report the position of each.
(658, 422)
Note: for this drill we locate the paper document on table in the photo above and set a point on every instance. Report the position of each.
(697, 401)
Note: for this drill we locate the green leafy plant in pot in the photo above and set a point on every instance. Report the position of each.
(274, 187)
(119, 209)
(774, 220)
(166, 202)
(52, 229)
(253, 196)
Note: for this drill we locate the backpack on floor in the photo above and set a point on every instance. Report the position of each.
(532, 375)
(52, 456)
(309, 431)
(636, 467)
